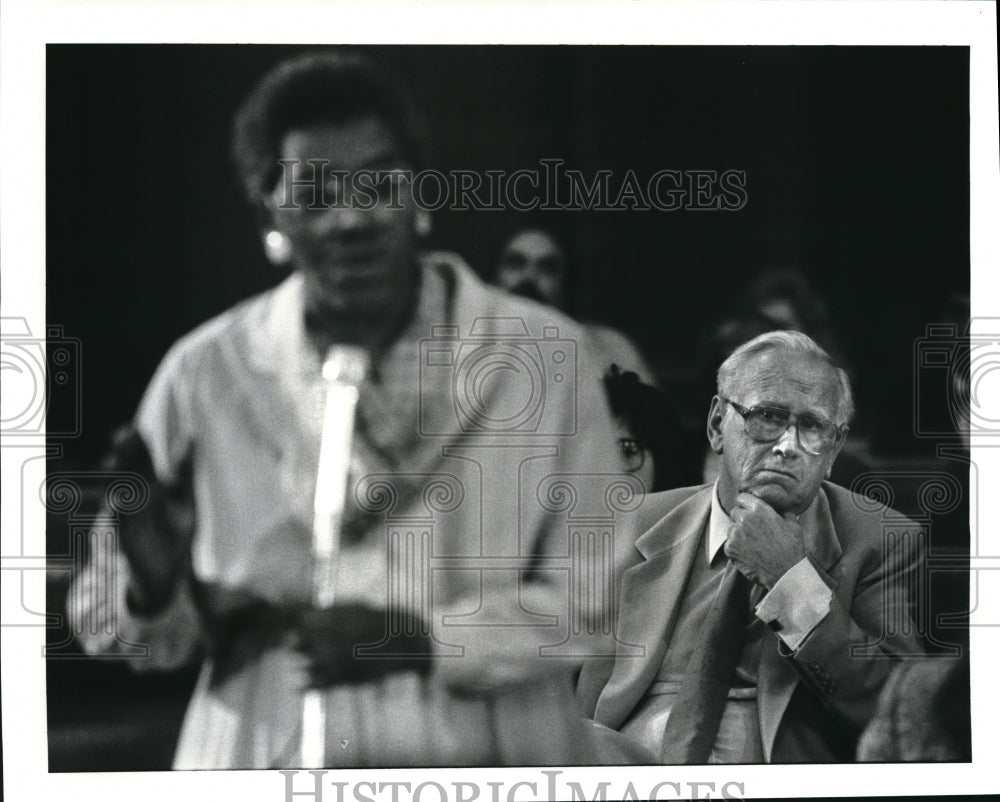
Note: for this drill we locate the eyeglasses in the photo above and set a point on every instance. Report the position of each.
(767, 424)
(633, 453)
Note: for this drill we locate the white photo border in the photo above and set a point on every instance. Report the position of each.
(25, 29)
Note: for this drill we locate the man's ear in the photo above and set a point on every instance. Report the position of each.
(836, 450)
(716, 412)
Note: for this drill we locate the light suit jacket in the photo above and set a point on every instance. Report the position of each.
(813, 702)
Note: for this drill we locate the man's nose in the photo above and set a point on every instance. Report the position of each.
(788, 444)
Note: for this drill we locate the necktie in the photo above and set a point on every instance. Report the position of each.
(694, 719)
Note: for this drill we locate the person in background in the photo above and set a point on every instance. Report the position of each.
(652, 442)
(534, 265)
(771, 604)
(219, 565)
(786, 300)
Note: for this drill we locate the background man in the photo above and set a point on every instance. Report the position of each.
(534, 265)
(827, 592)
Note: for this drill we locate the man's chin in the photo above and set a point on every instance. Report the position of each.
(774, 495)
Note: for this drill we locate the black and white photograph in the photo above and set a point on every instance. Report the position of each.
(528, 413)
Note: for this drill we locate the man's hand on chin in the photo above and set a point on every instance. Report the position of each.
(763, 543)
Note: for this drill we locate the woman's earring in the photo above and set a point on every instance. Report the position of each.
(278, 248)
(422, 223)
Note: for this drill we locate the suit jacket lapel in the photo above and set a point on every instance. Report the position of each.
(776, 677)
(820, 534)
(650, 600)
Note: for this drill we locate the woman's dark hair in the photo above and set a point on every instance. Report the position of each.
(649, 416)
(322, 87)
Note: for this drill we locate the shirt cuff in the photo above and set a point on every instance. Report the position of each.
(799, 600)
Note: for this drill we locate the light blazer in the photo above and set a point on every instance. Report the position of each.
(814, 702)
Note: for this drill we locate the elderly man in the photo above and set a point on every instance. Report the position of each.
(425, 522)
(768, 603)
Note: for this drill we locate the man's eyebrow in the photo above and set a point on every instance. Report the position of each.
(808, 413)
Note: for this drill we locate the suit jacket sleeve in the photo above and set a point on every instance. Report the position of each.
(846, 660)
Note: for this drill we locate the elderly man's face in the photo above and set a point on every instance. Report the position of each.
(533, 264)
(357, 262)
(781, 472)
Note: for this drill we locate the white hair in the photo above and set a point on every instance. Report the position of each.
(796, 342)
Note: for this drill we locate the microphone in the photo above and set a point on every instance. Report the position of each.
(343, 371)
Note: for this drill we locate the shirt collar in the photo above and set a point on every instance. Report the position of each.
(719, 525)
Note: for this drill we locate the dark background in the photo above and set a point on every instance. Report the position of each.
(857, 174)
